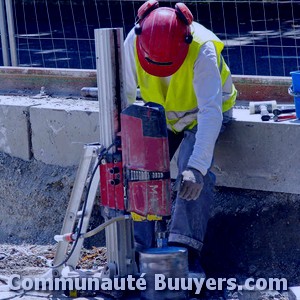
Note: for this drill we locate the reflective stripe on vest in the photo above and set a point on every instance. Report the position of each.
(178, 97)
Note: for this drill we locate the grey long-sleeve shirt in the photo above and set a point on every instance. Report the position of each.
(208, 89)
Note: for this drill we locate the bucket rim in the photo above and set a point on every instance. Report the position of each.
(295, 72)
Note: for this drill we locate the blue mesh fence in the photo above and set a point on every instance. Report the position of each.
(260, 37)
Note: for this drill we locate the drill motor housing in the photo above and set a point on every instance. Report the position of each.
(137, 179)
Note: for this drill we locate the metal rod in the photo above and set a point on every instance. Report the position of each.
(89, 154)
(104, 225)
(110, 82)
(109, 62)
(11, 33)
(4, 36)
(89, 92)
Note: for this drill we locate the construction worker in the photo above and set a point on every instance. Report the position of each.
(177, 63)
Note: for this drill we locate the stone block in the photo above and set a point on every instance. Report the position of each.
(61, 128)
(15, 125)
(252, 154)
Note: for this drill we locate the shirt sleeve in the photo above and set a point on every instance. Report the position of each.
(208, 88)
(130, 68)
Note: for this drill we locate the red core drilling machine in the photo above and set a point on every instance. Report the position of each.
(133, 168)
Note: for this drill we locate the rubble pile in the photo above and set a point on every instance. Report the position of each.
(31, 260)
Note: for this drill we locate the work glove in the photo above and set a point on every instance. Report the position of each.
(191, 184)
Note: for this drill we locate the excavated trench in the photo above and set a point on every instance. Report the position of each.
(251, 233)
(254, 234)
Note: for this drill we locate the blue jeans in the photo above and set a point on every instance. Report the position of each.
(188, 218)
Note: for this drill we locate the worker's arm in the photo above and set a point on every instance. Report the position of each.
(130, 68)
(208, 89)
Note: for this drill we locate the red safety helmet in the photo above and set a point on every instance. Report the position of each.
(163, 37)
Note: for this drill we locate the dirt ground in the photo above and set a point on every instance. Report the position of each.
(29, 259)
(34, 260)
(251, 233)
(33, 201)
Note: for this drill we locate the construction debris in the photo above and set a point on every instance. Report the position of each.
(31, 260)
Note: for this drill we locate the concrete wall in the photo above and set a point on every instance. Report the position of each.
(52, 129)
(252, 154)
(59, 129)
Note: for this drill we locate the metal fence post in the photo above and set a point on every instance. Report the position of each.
(11, 32)
(4, 36)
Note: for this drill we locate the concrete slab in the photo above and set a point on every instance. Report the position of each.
(294, 293)
(60, 129)
(252, 154)
(15, 126)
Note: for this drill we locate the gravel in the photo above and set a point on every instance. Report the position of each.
(29, 259)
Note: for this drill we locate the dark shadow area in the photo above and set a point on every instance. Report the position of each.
(253, 234)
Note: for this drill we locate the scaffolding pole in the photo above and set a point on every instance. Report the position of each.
(11, 33)
(4, 36)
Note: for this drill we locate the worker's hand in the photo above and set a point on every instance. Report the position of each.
(191, 185)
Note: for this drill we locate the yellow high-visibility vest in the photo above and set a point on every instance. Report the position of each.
(178, 98)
